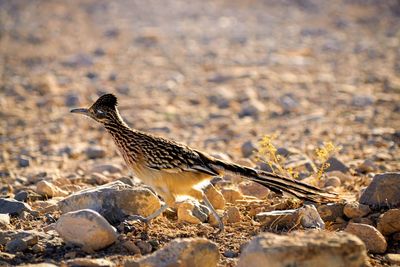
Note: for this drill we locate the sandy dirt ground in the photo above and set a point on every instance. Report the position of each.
(210, 74)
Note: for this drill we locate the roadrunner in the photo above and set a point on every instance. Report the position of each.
(173, 169)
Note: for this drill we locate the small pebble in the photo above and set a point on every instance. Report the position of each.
(21, 196)
(230, 254)
(231, 195)
(356, 210)
(131, 247)
(233, 215)
(248, 148)
(144, 246)
(23, 161)
(95, 152)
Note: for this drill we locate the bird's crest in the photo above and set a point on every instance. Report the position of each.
(108, 100)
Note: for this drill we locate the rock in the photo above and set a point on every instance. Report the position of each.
(23, 161)
(336, 165)
(230, 254)
(251, 108)
(303, 249)
(95, 152)
(99, 179)
(233, 215)
(72, 99)
(306, 216)
(389, 222)
(194, 252)
(4, 220)
(86, 228)
(87, 262)
(222, 98)
(144, 247)
(114, 201)
(231, 195)
(21, 241)
(17, 245)
(332, 181)
(383, 191)
(215, 197)
(393, 259)
(47, 189)
(250, 188)
(288, 103)
(367, 166)
(362, 101)
(22, 196)
(131, 247)
(28, 235)
(110, 168)
(396, 236)
(362, 220)
(13, 207)
(248, 148)
(78, 60)
(5, 258)
(374, 241)
(356, 210)
(285, 152)
(191, 211)
(330, 212)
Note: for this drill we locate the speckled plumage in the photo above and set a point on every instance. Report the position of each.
(174, 169)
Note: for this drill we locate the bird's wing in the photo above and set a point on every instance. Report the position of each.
(173, 157)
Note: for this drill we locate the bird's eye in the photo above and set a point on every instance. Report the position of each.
(100, 112)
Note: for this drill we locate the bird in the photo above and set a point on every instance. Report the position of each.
(173, 169)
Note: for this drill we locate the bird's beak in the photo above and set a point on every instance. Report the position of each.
(83, 111)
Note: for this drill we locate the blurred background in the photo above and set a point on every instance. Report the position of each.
(217, 75)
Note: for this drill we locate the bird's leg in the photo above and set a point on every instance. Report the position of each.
(147, 219)
(214, 212)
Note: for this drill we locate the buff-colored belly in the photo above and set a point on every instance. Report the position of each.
(172, 184)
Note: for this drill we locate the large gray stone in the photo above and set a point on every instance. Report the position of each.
(13, 207)
(304, 249)
(86, 228)
(193, 252)
(383, 191)
(374, 241)
(389, 222)
(114, 201)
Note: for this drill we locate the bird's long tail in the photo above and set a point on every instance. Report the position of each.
(277, 183)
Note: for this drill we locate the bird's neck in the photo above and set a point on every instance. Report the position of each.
(115, 125)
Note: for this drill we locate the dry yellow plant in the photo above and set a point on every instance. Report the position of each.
(267, 153)
(323, 154)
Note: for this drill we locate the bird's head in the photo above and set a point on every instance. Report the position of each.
(103, 110)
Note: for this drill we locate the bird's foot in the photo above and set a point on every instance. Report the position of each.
(220, 226)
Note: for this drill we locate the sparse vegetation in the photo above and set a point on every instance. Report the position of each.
(323, 153)
(267, 153)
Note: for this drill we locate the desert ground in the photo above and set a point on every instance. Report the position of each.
(217, 76)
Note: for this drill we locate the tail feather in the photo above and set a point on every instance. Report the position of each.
(278, 183)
